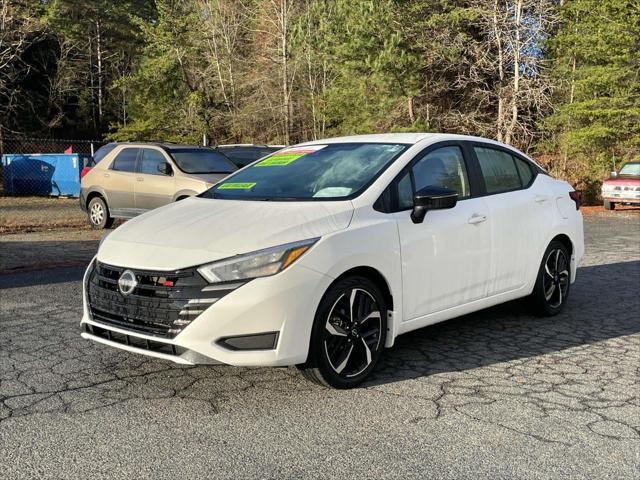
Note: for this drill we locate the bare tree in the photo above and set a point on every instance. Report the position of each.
(515, 31)
(20, 27)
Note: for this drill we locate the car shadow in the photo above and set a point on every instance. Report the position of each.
(603, 304)
(38, 276)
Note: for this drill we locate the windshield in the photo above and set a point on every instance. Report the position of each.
(323, 172)
(631, 169)
(201, 160)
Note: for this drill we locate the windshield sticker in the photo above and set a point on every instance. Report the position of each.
(237, 186)
(332, 192)
(285, 157)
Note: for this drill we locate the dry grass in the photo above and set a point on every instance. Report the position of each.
(35, 214)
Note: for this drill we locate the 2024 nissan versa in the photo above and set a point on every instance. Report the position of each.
(321, 254)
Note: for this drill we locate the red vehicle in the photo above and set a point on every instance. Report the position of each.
(623, 187)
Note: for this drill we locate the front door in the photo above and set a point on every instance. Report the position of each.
(446, 258)
(153, 187)
(118, 182)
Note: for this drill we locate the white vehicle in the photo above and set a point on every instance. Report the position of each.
(321, 254)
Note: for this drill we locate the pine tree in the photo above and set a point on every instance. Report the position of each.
(597, 67)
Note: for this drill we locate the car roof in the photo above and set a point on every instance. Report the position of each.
(406, 138)
(168, 145)
(249, 145)
(414, 138)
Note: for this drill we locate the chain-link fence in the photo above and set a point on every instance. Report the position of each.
(26, 170)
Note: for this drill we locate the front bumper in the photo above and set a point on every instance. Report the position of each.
(82, 199)
(283, 305)
(622, 198)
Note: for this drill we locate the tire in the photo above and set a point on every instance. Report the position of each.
(608, 205)
(98, 214)
(554, 281)
(348, 335)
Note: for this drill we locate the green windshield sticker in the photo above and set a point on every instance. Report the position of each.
(280, 160)
(237, 186)
(285, 157)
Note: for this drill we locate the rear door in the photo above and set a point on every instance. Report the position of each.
(118, 182)
(517, 214)
(153, 188)
(446, 258)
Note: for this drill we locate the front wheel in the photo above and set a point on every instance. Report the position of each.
(348, 334)
(554, 277)
(98, 213)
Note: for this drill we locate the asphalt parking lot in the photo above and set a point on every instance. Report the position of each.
(496, 394)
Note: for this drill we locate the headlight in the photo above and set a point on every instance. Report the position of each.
(262, 263)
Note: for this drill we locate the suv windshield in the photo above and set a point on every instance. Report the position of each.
(631, 169)
(201, 160)
(243, 156)
(323, 172)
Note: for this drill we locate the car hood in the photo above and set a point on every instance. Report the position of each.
(200, 230)
(209, 177)
(622, 180)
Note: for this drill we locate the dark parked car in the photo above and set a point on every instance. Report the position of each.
(243, 154)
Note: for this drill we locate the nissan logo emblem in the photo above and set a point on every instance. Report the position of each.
(127, 282)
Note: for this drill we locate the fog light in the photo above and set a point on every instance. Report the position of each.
(258, 341)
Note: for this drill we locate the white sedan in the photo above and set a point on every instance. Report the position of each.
(321, 254)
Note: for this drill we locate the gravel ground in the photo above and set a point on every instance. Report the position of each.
(34, 214)
(496, 394)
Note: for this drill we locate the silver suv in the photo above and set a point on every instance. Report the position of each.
(127, 179)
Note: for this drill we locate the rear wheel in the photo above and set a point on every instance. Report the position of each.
(98, 213)
(554, 277)
(348, 335)
(609, 205)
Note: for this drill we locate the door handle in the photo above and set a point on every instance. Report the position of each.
(541, 198)
(477, 218)
(106, 175)
(140, 179)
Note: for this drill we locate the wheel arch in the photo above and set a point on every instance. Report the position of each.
(96, 193)
(566, 241)
(375, 276)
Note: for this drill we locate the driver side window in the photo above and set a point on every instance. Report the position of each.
(443, 167)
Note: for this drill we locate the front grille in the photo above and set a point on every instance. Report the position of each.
(162, 303)
(132, 341)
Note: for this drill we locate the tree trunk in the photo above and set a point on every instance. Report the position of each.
(517, 46)
(498, 34)
(285, 68)
(412, 117)
(100, 77)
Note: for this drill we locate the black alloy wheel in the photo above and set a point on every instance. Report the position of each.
(348, 335)
(554, 278)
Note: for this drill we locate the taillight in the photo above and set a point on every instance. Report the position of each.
(84, 171)
(576, 197)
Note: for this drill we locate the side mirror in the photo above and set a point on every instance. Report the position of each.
(432, 198)
(165, 168)
(614, 174)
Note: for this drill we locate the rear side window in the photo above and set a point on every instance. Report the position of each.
(102, 152)
(125, 161)
(524, 170)
(498, 169)
(151, 159)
